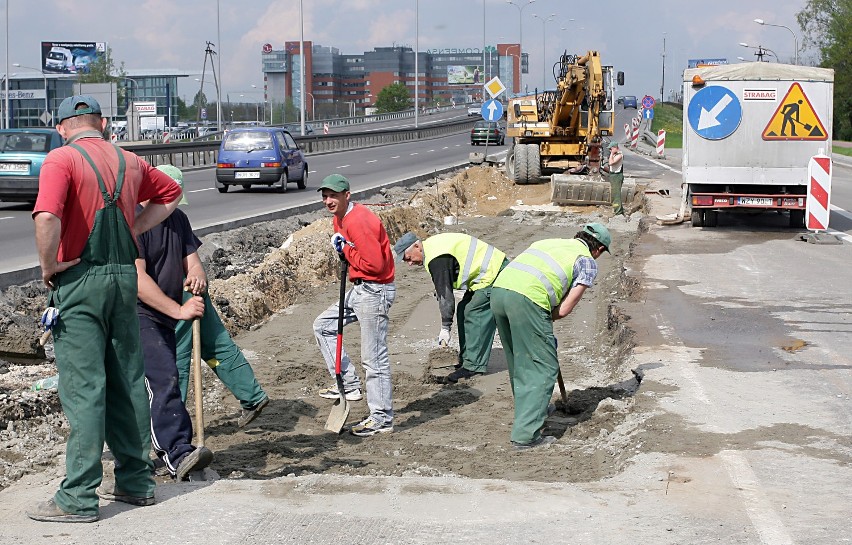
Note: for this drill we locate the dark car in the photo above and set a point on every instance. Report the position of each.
(487, 132)
(22, 152)
(260, 156)
(296, 129)
(630, 102)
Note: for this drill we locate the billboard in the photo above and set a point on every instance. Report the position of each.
(70, 57)
(698, 63)
(464, 74)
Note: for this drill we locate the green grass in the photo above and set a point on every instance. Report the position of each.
(842, 151)
(669, 117)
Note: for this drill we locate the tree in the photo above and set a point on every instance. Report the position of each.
(827, 27)
(393, 98)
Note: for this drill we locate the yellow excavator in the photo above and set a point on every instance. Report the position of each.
(560, 131)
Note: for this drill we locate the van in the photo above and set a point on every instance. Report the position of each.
(59, 59)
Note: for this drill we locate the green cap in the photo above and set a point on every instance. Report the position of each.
(613, 144)
(600, 233)
(68, 107)
(175, 174)
(335, 182)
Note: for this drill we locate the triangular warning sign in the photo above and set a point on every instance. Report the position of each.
(795, 119)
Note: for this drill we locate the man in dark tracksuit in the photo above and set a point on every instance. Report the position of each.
(167, 256)
(460, 261)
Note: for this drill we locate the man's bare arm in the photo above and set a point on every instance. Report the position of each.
(47, 231)
(153, 214)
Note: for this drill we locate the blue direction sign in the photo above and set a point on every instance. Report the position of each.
(714, 112)
(492, 110)
(203, 113)
(648, 114)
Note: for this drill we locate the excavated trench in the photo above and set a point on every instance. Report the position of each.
(270, 280)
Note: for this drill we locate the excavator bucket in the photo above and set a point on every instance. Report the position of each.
(569, 189)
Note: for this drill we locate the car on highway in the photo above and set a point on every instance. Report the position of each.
(296, 129)
(630, 102)
(22, 152)
(260, 156)
(487, 132)
(474, 110)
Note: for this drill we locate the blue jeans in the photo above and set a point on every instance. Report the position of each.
(367, 303)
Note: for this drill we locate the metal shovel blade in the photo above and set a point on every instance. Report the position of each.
(338, 415)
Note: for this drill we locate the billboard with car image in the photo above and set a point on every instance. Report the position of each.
(70, 57)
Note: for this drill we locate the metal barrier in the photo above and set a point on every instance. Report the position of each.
(204, 153)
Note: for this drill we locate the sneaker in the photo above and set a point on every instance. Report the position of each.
(332, 393)
(542, 441)
(461, 373)
(196, 460)
(250, 414)
(112, 493)
(369, 427)
(48, 511)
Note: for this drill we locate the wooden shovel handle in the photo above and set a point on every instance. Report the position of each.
(196, 372)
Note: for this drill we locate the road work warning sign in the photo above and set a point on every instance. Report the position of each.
(795, 119)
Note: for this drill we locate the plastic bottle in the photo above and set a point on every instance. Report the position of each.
(49, 383)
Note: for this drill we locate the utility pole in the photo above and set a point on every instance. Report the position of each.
(209, 53)
(663, 83)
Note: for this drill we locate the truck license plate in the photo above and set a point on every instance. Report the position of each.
(755, 201)
(246, 175)
(14, 167)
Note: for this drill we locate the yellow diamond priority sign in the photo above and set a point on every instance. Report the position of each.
(495, 87)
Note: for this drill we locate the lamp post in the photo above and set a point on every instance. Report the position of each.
(44, 77)
(219, 83)
(795, 38)
(544, 21)
(6, 76)
(521, 35)
(417, 63)
(761, 51)
(302, 67)
(663, 83)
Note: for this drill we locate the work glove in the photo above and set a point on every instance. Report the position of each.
(49, 318)
(338, 242)
(444, 337)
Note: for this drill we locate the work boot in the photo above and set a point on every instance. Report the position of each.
(461, 373)
(542, 441)
(196, 460)
(113, 493)
(250, 414)
(48, 511)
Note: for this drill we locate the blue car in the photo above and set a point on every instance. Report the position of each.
(22, 152)
(630, 102)
(260, 156)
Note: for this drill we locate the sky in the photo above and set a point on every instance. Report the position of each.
(630, 35)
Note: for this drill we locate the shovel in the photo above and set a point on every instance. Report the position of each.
(340, 410)
(560, 381)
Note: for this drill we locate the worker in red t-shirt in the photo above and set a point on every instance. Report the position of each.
(85, 229)
(361, 240)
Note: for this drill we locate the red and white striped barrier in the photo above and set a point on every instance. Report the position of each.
(325, 128)
(634, 137)
(627, 132)
(661, 143)
(819, 193)
(113, 137)
(166, 138)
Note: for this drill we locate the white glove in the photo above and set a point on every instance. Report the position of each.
(444, 337)
(49, 318)
(337, 242)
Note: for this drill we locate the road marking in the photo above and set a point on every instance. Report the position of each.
(342, 166)
(446, 147)
(430, 151)
(763, 517)
(8, 218)
(395, 157)
(415, 153)
(312, 172)
(372, 160)
(200, 190)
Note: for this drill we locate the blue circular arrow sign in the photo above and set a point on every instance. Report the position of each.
(714, 112)
(492, 110)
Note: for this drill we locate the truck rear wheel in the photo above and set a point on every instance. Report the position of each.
(520, 162)
(698, 218)
(533, 163)
(797, 218)
(711, 218)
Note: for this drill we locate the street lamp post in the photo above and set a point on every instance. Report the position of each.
(44, 77)
(521, 35)
(417, 63)
(795, 38)
(544, 21)
(663, 83)
(302, 67)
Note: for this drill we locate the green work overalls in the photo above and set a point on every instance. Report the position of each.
(99, 357)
